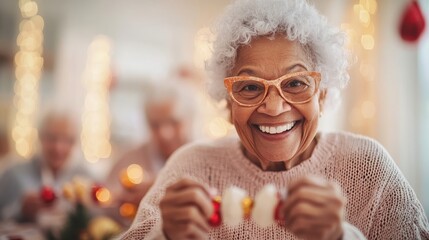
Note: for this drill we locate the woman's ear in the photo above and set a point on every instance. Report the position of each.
(322, 98)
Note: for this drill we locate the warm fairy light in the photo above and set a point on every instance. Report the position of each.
(369, 5)
(367, 71)
(29, 9)
(69, 192)
(367, 41)
(357, 8)
(125, 180)
(218, 127)
(95, 135)
(368, 109)
(372, 7)
(203, 47)
(29, 64)
(103, 195)
(131, 176)
(364, 16)
(362, 113)
(135, 173)
(128, 210)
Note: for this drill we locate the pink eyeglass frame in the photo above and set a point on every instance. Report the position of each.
(229, 81)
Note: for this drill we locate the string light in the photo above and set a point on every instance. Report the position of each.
(218, 127)
(203, 47)
(367, 41)
(361, 32)
(95, 135)
(135, 173)
(28, 68)
(103, 195)
(364, 16)
(368, 109)
(128, 210)
(131, 176)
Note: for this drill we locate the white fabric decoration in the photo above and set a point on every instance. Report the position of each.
(265, 203)
(231, 207)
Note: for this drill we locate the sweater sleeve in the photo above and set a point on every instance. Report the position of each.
(400, 214)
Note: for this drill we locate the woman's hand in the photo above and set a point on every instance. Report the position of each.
(185, 210)
(314, 209)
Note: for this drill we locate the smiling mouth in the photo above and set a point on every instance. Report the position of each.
(278, 129)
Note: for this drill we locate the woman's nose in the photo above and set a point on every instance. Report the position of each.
(274, 104)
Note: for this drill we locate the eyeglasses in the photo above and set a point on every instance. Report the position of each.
(249, 91)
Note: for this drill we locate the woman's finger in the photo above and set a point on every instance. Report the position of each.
(190, 196)
(312, 180)
(185, 183)
(185, 215)
(316, 196)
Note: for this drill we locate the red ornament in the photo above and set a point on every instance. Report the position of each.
(277, 211)
(47, 194)
(413, 23)
(216, 219)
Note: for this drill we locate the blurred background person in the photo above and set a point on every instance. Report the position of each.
(170, 110)
(21, 185)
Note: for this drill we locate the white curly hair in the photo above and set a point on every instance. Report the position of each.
(244, 20)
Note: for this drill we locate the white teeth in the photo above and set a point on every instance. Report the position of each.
(277, 129)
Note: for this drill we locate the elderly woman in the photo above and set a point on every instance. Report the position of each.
(280, 62)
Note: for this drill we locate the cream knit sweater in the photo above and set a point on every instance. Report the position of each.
(380, 202)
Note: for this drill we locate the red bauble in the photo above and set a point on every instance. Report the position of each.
(47, 194)
(216, 219)
(277, 211)
(413, 23)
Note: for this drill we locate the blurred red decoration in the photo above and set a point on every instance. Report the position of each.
(277, 212)
(413, 23)
(94, 190)
(216, 219)
(47, 194)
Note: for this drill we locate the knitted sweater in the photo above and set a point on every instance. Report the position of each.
(380, 202)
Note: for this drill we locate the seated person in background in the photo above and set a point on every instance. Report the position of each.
(20, 186)
(169, 110)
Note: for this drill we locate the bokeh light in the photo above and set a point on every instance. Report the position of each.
(128, 210)
(28, 67)
(135, 173)
(103, 195)
(95, 136)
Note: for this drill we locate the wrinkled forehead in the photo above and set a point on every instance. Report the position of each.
(160, 110)
(269, 54)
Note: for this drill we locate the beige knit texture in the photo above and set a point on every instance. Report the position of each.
(380, 202)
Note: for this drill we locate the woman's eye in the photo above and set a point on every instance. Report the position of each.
(295, 83)
(251, 88)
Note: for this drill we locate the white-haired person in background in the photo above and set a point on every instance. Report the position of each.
(277, 62)
(170, 110)
(52, 167)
